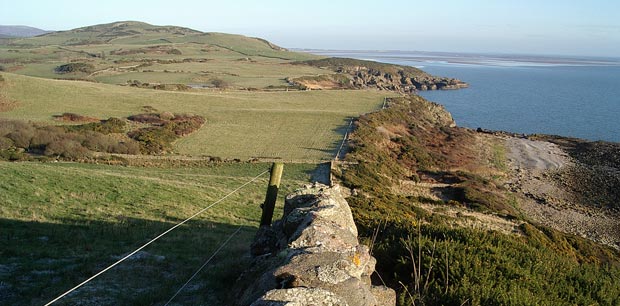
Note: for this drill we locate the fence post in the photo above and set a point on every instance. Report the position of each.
(272, 194)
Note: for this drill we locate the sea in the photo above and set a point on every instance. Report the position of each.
(559, 95)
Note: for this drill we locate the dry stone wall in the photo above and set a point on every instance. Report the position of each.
(312, 256)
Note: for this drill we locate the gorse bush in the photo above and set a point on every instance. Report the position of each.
(74, 68)
(79, 141)
(164, 130)
(112, 125)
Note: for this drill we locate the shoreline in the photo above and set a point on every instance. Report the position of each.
(482, 59)
(551, 183)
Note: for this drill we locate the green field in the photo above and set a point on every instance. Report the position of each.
(296, 125)
(125, 51)
(63, 222)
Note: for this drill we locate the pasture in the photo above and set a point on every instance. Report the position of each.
(63, 222)
(295, 125)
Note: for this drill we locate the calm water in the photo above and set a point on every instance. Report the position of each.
(569, 97)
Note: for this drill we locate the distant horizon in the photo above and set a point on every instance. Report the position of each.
(307, 49)
(449, 52)
(551, 27)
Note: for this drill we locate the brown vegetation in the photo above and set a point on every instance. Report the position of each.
(164, 129)
(415, 141)
(73, 117)
(22, 140)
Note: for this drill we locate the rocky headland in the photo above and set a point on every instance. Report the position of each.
(360, 74)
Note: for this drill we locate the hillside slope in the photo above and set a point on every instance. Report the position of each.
(140, 33)
(20, 31)
(431, 199)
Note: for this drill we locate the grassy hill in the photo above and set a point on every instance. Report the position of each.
(20, 31)
(65, 221)
(428, 195)
(135, 51)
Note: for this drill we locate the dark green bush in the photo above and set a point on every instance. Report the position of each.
(112, 125)
(219, 83)
(6, 143)
(154, 139)
(74, 68)
(166, 129)
(149, 118)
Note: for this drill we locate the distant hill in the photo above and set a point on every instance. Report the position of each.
(140, 33)
(7, 31)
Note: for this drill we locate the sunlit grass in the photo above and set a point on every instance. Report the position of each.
(63, 222)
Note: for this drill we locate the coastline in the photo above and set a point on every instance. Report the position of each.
(566, 96)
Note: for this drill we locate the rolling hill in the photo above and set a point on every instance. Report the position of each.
(419, 183)
(20, 31)
(140, 33)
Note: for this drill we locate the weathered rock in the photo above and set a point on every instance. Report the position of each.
(299, 297)
(395, 78)
(384, 295)
(318, 241)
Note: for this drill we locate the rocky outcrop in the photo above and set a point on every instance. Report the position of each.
(314, 255)
(368, 74)
(401, 81)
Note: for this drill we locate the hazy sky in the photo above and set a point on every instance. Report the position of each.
(580, 27)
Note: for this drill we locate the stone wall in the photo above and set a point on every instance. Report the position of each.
(312, 256)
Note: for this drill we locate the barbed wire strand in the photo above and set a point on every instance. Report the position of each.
(154, 239)
(203, 265)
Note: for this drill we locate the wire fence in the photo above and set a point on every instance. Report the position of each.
(158, 237)
(222, 245)
(341, 151)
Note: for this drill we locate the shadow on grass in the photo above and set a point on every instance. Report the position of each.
(39, 261)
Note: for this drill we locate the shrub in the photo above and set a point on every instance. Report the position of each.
(150, 118)
(168, 127)
(106, 143)
(13, 154)
(153, 139)
(6, 143)
(112, 125)
(8, 126)
(219, 83)
(21, 138)
(126, 147)
(67, 148)
(74, 68)
(44, 136)
(187, 124)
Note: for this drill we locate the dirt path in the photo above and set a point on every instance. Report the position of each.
(549, 200)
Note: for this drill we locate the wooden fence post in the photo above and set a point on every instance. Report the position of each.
(272, 194)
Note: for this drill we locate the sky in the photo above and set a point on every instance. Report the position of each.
(568, 27)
